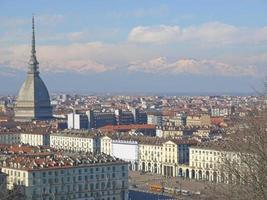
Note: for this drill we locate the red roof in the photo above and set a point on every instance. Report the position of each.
(216, 120)
(127, 127)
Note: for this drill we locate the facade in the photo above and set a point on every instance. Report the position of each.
(106, 145)
(100, 119)
(78, 177)
(10, 138)
(150, 157)
(163, 156)
(41, 139)
(121, 148)
(149, 154)
(3, 181)
(140, 117)
(205, 163)
(155, 119)
(3, 106)
(78, 121)
(178, 119)
(220, 112)
(168, 131)
(201, 120)
(33, 101)
(34, 139)
(85, 141)
(124, 117)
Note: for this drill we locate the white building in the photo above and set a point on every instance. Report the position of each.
(85, 141)
(34, 139)
(78, 177)
(77, 121)
(124, 149)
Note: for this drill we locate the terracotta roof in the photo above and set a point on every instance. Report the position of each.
(127, 127)
(59, 161)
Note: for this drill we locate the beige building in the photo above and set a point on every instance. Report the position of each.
(206, 163)
(150, 154)
(2, 107)
(106, 145)
(169, 131)
(150, 157)
(198, 120)
(163, 156)
(79, 177)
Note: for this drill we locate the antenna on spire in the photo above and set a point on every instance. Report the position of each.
(33, 36)
(33, 60)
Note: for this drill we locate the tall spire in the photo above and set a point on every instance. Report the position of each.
(33, 68)
(33, 37)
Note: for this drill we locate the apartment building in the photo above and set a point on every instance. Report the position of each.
(169, 131)
(31, 138)
(7, 137)
(123, 148)
(78, 121)
(73, 176)
(206, 161)
(76, 140)
(163, 156)
(35, 139)
(198, 120)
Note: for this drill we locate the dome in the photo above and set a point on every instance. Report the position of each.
(34, 90)
(33, 101)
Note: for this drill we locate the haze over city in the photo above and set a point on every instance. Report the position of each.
(133, 100)
(176, 47)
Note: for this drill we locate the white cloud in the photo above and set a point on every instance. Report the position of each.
(192, 66)
(212, 33)
(97, 57)
(160, 34)
(55, 58)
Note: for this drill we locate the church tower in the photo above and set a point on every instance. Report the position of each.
(33, 102)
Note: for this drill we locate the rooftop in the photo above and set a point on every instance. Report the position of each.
(78, 133)
(59, 161)
(127, 127)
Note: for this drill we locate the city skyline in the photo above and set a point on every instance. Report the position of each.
(164, 47)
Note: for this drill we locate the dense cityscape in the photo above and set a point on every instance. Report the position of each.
(130, 146)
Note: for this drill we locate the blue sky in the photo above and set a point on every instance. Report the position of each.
(137, 46)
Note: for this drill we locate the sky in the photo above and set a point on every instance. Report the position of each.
(163, 46)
